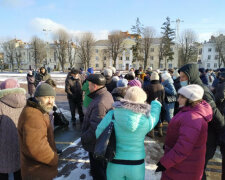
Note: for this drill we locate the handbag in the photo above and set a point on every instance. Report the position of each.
(105, 147)
(59, 118)
(170, 99)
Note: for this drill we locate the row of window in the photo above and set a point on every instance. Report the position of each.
(121, 58)
(209, 65)
(216, 57)
(151, 50)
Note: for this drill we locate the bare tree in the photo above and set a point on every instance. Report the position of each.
(115, 45)
(188, 51)
(61, 38)
(85, 53)
(220, 48)
(148, 35)
(9, 52)
(38, 51)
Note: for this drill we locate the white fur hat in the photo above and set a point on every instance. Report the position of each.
(136, 94)
(108, 72)
(154, 76)
(192, 92)
(113, 69)
(166, 76)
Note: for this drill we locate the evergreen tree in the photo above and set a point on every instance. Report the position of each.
(168, 35)
(136, 49)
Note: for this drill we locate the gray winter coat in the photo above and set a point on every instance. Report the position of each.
(12, 102)
(102, 102)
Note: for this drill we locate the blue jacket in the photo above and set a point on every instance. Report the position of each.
(169, 87)
(132, 122)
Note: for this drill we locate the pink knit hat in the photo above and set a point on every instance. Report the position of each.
(134, 82)
(9, 83)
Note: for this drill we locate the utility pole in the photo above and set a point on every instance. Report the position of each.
(178, 21)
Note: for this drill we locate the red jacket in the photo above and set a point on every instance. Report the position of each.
(185, 144)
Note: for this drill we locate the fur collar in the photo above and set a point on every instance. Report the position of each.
(135, 107)
(32, 102)
(8, 91)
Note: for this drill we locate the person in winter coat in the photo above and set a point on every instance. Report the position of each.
(41, 76)
(133, 120)
(73, 88)
(185, 143)
(12, 102)
(220, 103)
(119, 92)
(189, 74)
(30, 83)
(85, 89)
(170, 95)
(101, 103)
(153, 91)
(110, 84)
(39, 159)
(203, 76)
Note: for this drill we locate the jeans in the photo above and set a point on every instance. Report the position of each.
(169, 111)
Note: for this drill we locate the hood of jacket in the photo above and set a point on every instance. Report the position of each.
(191, 70)
(202, 108)
(135, 107)
(168, 81)
(13, 97)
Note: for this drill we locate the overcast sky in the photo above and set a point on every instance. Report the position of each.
(24, 18)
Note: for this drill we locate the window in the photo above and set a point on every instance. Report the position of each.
(127, 58)
(151, 57)
(200, 51)
(208, 65)
(161, 66)
(152, 49)
(216, 56)
(96, 51)
(120, 66)
(24, 53)
(170, 66)
(209, 57)
(209, 49)
(215, 65)
(96, 65)
(151, 65)
(104, 65)
(104, 58)
(217, 50)
(171, 49)
(97, 58)
(121, 58)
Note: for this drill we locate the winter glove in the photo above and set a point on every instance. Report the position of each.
(160, 167)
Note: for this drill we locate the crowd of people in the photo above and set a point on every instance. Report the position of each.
(189, 99)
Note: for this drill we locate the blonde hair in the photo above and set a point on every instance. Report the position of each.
(136, 94)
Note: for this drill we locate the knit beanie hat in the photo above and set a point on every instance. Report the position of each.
(134, 82)
(122, 83)
(9, 83)
(166, 76)
(108, 73)
(154, 76)
(192, 92)
(115, 78)
(90, 70)
(136, 94)
(30, 73)
(44, 89)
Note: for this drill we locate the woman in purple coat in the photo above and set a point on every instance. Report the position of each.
(185, 144)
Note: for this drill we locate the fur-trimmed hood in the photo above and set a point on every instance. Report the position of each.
(32, 102)
(13, 97)
(135, 107)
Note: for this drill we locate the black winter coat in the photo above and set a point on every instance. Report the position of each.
(110, 84)
(101, 103)
(191, 70)
(73, 88)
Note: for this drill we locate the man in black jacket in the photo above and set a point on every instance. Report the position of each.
(189, 75)
(101, 103)
(73, 88)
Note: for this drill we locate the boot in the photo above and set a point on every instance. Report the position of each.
(151, 134)
(160, 130)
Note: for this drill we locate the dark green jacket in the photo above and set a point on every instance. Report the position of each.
(191, 70)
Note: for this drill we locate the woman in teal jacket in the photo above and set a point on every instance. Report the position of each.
(133, 120)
